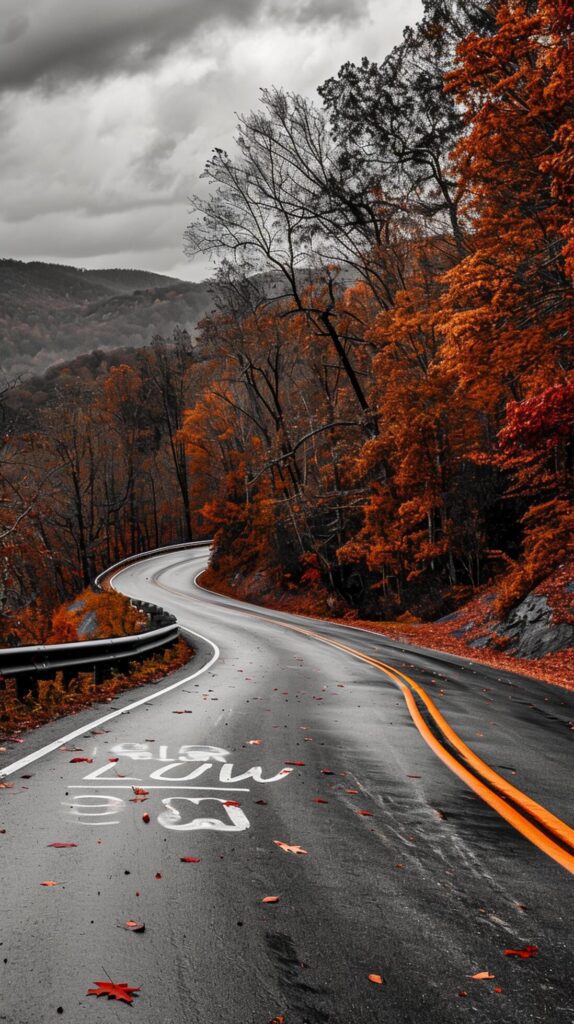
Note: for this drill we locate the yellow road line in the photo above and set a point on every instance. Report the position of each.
(408, 686)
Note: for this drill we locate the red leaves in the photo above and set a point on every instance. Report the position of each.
(376, 979)
(231, 803)
(157, 875)
(270, 899)
(255, 743)
(190, 860)
(80, 760)
(298, 764)
(49, 883)
(287, 848)
(319, 800)
(365, 814)
(327, 771)
(134, 926)
(120, 991)
(524, 953)
(62, 846)
(146, 818)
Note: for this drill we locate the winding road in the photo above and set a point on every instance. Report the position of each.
(409, 809)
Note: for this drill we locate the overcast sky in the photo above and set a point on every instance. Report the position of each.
(109, 109)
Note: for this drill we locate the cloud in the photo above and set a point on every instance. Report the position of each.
(101, 144)
(57, 41)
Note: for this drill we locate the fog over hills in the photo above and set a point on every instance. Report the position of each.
(51, 313)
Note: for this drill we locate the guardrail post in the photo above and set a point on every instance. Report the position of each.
(101, 673)
(25, 685)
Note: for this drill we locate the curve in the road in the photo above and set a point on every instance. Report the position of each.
(554, 838)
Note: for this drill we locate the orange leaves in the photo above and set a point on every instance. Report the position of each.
(120, 991)
(481, 976)
(49, 884)
(287, 848)
(524, 953)
(270, 899)
(376, 979)
(134, 926)
(190, 860)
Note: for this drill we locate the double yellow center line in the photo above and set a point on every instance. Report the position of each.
(537, 824)
(542, 828)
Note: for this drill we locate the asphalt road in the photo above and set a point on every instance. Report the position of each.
(410, 873)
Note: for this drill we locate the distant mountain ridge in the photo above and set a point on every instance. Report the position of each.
(50, 312)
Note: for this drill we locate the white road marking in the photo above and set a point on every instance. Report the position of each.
(211, 789)
(30, 758)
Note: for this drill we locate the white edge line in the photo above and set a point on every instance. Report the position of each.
(30, 758)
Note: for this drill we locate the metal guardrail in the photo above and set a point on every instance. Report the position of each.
(27, 665)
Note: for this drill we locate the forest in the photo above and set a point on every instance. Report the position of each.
(378, 415)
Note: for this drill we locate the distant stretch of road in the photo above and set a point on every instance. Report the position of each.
(410, 812)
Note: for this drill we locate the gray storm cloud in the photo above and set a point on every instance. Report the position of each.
(53, 42)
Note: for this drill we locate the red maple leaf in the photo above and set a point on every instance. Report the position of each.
(119, 991)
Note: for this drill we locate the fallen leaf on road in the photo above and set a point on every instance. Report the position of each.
(7, 785)
(497, 988)
(79, 760)
(62, 846)
(190, 860)
(134, 926)
(327, 771)
(255, 743)
(352, 792)
(481, 976)
(278, 1020)
(298, 764)
(366, 814)
(231, 803)
(49, 883)
(270, 899)
(146, 818)
(413, 776)
(524, 953)
(120, 991)
(289, 848)
(319, 800)
(262, 803)
(158, 874)
(376, 979)
(463, 994)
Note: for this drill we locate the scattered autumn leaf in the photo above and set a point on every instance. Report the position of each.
(80, 760)
(158, 874)
(62, 846)
(190, 860)
(352, 792)
(319, 800)
(278, 1020)
(231, 803)
(270, 899)
(255, 743)
(524, 953)
(49, 883)
(119, 991)
(134, 926)
(146, 818)
(366, 814)
(327, 771)
(140, 791)
(376, 979)
(481, 976)
(7, 785)
(287, 848)
(298, 764)
(262, 803)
